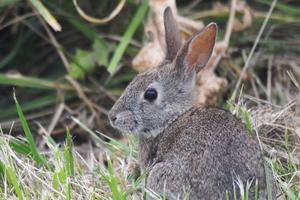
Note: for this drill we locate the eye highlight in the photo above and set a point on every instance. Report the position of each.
(150, 94)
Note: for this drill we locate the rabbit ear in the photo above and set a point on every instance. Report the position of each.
(173, 39)
(196, 52)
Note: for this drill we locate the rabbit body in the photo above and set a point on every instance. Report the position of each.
(201, 154)
(189, 150)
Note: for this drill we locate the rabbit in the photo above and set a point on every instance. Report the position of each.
(188, 151)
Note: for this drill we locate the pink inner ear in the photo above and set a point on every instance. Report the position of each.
(200, 48)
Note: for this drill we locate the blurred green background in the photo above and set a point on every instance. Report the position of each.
(35, 60)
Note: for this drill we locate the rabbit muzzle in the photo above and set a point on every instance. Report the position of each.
(124, 121)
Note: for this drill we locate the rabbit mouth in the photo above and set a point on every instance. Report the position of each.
(127, 128)
(129, 123)
(134, 127)
(124, 128)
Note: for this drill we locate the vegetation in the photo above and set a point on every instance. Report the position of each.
(60, 74)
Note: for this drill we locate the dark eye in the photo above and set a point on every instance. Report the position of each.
(150, 94)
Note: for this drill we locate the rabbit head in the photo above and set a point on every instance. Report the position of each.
(158, 96)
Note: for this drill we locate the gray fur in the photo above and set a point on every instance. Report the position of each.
(173, 39)
(138, 116)
(187, 149)
(202, 153)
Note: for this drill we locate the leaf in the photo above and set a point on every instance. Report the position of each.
(83, 63)
(101, 52)
(46, 14)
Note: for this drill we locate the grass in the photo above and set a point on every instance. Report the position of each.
(36, 163)
(23, 165)
(50, 19)
(31, 82)
(33, 149)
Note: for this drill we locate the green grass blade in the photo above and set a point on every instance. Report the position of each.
(35, 153)
(291, 165)
(247, 191)
(256, 190)
(248, 122)
(268, 182)
(86, 30)
(116, 144)
(12, 178)
(12, 54)
(227, 195)
(234, 192)
(4, 3)
(96, 138)
(243, 113)
(24, 81)
(68, 196)
(49, 18)
(136, 183)
(83, 28)
(69, 164)
(113, 182)
(137, 19)
(283, 7)
(2, 170)
(69, 155)
(20, 147)
(55, 183)
(62, 176)
(292, 195)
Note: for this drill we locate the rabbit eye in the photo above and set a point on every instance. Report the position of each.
(150, 94)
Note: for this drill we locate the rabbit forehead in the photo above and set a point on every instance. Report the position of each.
(154, 76)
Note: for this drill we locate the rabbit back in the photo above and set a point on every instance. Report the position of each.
(201, 154)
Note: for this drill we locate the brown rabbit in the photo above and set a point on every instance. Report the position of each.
(198, 152)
